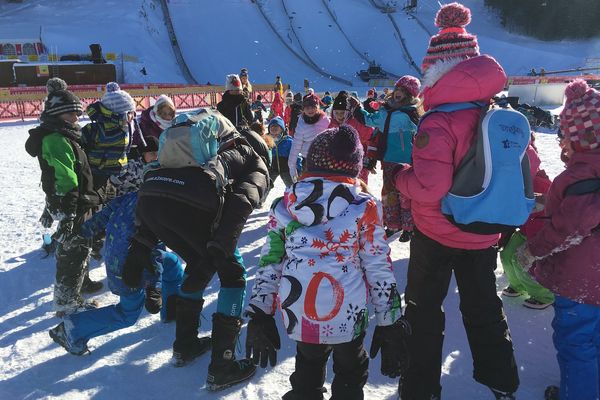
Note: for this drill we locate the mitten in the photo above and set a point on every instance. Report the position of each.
(394, 350)
(65, 228)
(138, 258)
(262, 338)
(524, 257)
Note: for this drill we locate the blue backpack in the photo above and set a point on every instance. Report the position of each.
(492, 190)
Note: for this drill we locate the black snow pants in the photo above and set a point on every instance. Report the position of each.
(350, 366)
(429, 272)
(71, 268)
(186, 230)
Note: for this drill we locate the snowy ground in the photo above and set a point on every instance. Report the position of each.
(134, 363)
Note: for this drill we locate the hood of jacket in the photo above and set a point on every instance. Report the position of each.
(475, 79)
(101, 114)
(314, 200)
(233, 100)
(49, 125)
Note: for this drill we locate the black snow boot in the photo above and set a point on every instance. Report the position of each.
(503, 395)
(188, 345)
(224, 370)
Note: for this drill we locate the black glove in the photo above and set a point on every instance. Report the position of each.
(262, 338)
(394, 351)
(138, 258)
(46, 218)
(65, 229)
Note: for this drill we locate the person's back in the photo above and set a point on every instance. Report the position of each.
(327, 229)
(234, 105)
(454, 73)
(565, 253)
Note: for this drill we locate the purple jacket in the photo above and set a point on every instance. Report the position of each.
(570, 239)
(149, 126)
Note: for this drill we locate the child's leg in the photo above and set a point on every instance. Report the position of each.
(509, 262)
(70, 270)
(575, 329)
(390, 199)
(351, 368)
(308, 377)
(172, 276)
(88, 324)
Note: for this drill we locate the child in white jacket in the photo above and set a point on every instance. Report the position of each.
(312, 122)
(325, 255)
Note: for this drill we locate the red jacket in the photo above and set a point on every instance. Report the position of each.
(570, 239)
(441, 142)
(364, 132)
(277, 106)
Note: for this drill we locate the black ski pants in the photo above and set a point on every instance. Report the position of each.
(429, 272)
(186, 230)
(350, 366)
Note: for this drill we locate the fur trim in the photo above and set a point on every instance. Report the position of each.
(435, 71)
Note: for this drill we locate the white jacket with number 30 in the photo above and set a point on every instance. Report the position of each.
(325, 255)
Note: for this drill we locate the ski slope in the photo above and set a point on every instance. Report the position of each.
(221, 37)
(134, 363)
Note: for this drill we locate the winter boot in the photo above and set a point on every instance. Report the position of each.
(224, 370)
(188, 345)
(153, 301)
(89, 286)
(59, 335)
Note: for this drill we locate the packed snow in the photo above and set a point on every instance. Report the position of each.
(135, 362)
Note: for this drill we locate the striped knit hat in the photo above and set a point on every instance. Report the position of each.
(60, 100)
(580, 118)
(452, 41)
(117, 100)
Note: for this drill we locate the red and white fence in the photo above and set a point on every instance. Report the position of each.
(20, 103)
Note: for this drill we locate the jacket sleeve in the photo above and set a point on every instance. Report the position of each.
(374, 120)
(573, 221)
(430, 177)
(247, 112)
(97, 224)
(59, 155)
(374, 253)
(295, 149)
(270, 267)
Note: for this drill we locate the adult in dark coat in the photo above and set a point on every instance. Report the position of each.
(200, 212)
(234, 105)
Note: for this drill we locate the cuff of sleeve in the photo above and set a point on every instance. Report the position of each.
(388, 317)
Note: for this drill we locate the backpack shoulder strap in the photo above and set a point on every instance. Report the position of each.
(451, 107)
(585, 186)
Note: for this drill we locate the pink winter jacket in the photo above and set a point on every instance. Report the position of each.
(441, 142)
(570, 238)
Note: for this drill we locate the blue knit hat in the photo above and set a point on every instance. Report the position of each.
(117, 100)
(277, 121)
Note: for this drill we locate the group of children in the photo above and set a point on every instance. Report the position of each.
(326, 252)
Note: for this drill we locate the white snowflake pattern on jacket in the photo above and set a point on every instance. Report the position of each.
(325, 255)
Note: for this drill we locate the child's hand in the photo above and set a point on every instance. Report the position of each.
(394, 350)
(524, 257)
(262, 338)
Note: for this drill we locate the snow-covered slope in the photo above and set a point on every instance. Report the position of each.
(220, 37)
(134, 363)
(133, 27)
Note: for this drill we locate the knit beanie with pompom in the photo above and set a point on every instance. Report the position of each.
(580, 118)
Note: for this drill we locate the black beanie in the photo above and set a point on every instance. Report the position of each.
(341, 102)
(60, 100)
